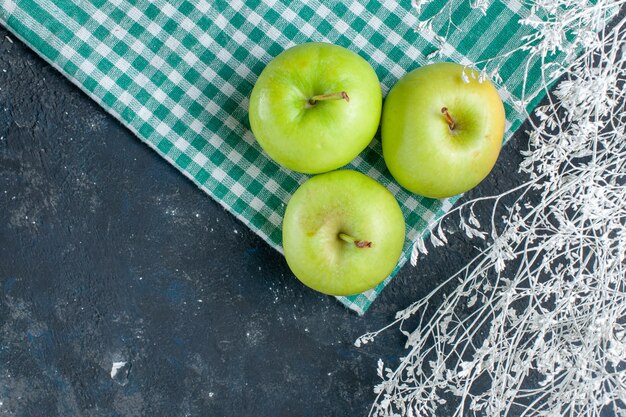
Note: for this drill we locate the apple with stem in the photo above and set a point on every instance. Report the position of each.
(343, 233)
(442, 130)
(315, 107)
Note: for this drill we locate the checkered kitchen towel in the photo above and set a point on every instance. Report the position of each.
(179, 74)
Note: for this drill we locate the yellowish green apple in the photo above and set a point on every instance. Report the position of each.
(442, 130)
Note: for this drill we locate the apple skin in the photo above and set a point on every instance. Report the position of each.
(421, 151)
(342, 202)
(328, 135)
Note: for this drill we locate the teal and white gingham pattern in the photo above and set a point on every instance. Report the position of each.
(179, 75)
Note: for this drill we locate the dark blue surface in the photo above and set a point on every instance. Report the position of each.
(108, 254)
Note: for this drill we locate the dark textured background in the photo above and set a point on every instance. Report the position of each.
(108, 254)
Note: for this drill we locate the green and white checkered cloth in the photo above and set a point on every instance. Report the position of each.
(179, 74)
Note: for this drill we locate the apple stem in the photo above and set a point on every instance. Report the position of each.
(358, 243)
(341, 95)
(449, 118)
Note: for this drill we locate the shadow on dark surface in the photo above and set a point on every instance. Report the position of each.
(110, 258)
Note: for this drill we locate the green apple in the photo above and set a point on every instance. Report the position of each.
(343, 233)
(441, 133)
(315, 107)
